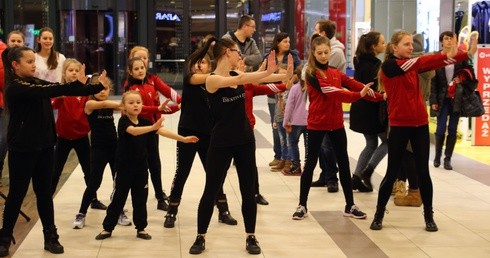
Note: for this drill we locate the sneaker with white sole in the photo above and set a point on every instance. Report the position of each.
(300, 213)
(354, 212)
(123, 219)
(79, 222)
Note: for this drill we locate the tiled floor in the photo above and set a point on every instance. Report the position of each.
(461, 202)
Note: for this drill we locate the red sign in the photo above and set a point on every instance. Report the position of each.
(338, 13)
(481, 127)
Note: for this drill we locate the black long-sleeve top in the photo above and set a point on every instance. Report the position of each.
(31, 126)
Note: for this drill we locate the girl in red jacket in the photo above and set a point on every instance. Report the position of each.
(149, 86)
(325, 116)
(72, 129)
(408, 119)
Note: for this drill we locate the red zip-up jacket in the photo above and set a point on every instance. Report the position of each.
(406, 106)
(326, 96)
(2, 74)
(72, 123)
(255, 90)
(151, 100)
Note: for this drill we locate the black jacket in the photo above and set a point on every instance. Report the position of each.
(364, 114)
(31, 125)
(439, 84)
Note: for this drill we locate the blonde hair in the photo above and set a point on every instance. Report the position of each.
(127, 93)
(66, 64)
(138, 48)
(395, 39)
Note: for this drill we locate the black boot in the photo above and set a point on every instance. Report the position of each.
(366, 174)
(430, 224)
(357, 184)
(448, 152)
(171, 216)
(51, 242)
(5, 244)
(439, 143)
(377, 223)
(224, 213)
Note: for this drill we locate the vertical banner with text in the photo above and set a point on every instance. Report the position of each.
(481, 126)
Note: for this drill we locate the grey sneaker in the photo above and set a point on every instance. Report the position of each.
(300, 213)
(354, 212)
(123, 219)
(79, 222)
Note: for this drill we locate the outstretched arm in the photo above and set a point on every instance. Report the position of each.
(172, 135)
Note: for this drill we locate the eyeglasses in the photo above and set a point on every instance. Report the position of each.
(236, 50)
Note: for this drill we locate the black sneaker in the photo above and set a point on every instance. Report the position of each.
(96, 204)
(252, 245)
(162, 205)
(198, 246)
(300, 213)
(332, 187)
(170, 219)
(354, 212)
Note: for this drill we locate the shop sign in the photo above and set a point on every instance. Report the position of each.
(167, 17)
(482, 124)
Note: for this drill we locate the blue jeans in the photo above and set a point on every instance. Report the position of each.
(3, 138)
(293, 142)
(372, 154)
(283, 140)
(328, 162)
(275, 135)
(442, 123)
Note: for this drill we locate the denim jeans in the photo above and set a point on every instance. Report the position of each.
(275, 135)
(284, 141)
(328, 162)
(372, 154)
(293, 142)
(442, 123)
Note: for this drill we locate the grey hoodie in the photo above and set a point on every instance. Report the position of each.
(337, 56)
(248, 48)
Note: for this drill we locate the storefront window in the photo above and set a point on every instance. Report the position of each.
(99, 37)
(271, 21)
(30, 17)
(2, 26)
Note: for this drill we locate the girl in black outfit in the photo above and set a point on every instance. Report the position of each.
(135, 135)
(231, 137)
(364, 114)
(31, 138)
(195, 119)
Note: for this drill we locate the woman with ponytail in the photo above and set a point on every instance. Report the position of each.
(364, 115)
(195, 119)
(231, 137)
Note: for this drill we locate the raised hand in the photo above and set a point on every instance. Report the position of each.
(158, 124)
(272, 63)
(81, 75)
(290, 69)
(367, 90)
(103, 79)
(164, 107)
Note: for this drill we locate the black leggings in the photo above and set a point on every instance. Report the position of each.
(63, 148)
(137, 182)
(185, 158)
(217, 163)
(397, 143)
(24, 166)
(99, 159)
(155, 166)
(314, 140)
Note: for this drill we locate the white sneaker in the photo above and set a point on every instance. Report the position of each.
(123, 219)
(79, 222)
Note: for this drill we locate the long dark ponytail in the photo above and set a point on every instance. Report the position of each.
(200, 54)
